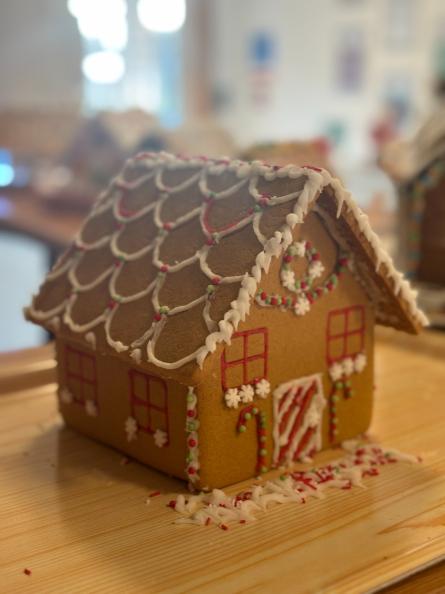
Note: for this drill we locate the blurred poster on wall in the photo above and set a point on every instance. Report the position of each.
(262, 52)
(400, 23)
(350, 60)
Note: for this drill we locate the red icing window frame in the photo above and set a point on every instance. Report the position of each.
(80, 376)
(346, 332)
(245, 358)
(135, 401)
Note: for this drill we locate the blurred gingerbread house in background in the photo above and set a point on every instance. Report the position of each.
(418, 169)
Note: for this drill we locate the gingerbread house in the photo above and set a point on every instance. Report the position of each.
(418, 169)
(214, 319)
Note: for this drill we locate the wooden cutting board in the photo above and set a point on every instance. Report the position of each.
(74, 514)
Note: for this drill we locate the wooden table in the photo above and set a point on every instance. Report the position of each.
(78, 518)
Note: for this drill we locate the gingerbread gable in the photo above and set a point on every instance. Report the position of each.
(171, 258)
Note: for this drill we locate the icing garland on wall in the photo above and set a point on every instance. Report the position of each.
(248, 173)
(416, 195)
(306, 297)
(245, 394)
(244, 417)
(191, 427)
(338, 372)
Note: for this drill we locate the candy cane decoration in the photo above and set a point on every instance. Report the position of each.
(246, 415)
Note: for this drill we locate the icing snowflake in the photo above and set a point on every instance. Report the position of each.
(360, 362)
(262, 388)
(131, 428)
(287, 279)
(300, 247)
(315, 269)
(232, 398)
(302, 306)
(91, 408)
(66, 396)
(160, 438)
(313, 417)
(348, 366)
(336, 371)
(246, 393)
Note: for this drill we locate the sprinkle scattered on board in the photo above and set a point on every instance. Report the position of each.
(27, 571)
(294, 486)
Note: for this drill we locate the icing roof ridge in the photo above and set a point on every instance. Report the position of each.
(112, 204)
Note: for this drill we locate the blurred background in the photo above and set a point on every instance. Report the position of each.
(350, 85)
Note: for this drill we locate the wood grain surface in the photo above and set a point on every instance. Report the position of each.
(77, 517)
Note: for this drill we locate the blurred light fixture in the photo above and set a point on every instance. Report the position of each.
(6, 174)
(102, 20)
(161, 16)
(103, 67)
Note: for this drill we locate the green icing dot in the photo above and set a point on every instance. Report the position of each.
(286, 266)
(256, 208)
(338, 385)
(334, 421)
(191, 426)
(263, 413)
(210, 289)
(189, 398)
(160, 274)
(312, 250)
(263, 438)
(314, 294)
(334, 280)
(335, 431)
(282, 477)
(291, 251)
(214, 235)
(297, 285)
(212, 195)
(263, 452)
(163, 310)
(263, 425)
(289, 301)
(279, 301)
(268, 300)
(263, 469)
(347, 384)
(247, 416)
(341, 268)
(242, 428)
(351, 393)
(254, 410)
(190, 458)
(335, 398)
(309, 281)
(333, 409)
(325, 290)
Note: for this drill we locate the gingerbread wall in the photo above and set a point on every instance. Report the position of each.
(297, 346)
(113, 394)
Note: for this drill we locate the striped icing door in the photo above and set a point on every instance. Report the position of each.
(298, 413)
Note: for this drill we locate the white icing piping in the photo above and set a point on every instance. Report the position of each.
(191, 427)
(315, 181)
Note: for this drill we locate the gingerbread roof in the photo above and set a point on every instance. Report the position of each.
(171, 257)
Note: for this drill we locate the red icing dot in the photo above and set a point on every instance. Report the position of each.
(310, 298)
(192, 471)
(315, 257)
(167, 226)
(308, 245)
(215, 281)
(294, 303)
(190, 413)
(262, 202)
(158, 317)
(70, 294)
(288, 259)
(117, 263)
(164, 268)
(172, 503)
(192, 443)
(330, 286)
(339, 274)
(273, 301)
(119, 225)
(209, 241)
(319, 291)
(343, 261)
(112, 304)
(303, 285)
(263, 296)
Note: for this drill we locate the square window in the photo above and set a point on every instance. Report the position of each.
(234, 376)
(81, 375)
(356, 319)
(238, 368)
(149, 403)
(354, 344)
(255, 370)
(235, 351)
(256, 344)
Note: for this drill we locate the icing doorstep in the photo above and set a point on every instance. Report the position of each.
(248, 174)
(294, 486)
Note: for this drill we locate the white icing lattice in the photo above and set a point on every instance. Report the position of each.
(248, 175)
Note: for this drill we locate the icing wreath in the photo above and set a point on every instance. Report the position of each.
(306, 296)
